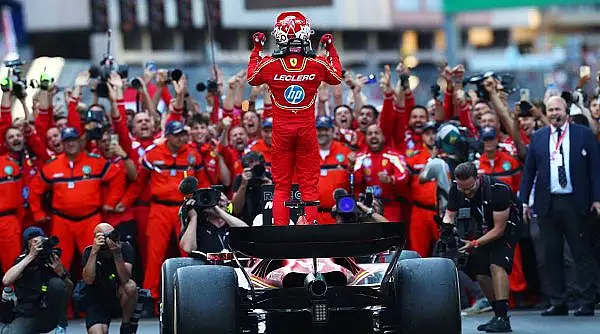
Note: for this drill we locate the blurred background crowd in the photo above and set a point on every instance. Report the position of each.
(409, 66)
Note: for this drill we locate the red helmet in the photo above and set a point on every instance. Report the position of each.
(292, 26)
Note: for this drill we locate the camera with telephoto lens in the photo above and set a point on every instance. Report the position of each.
(112, 235)
(107, 66)
(48, 249)
(449, 244)
(14, 81)
(210, 86)
(174, 75)
(506, 79)
(259, 170)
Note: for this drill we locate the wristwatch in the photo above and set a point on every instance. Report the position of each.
(64, 275)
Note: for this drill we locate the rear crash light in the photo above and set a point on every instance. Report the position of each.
(320, 311)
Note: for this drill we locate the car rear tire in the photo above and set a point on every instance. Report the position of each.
(167, 279)
(426, 297)
(206, 300)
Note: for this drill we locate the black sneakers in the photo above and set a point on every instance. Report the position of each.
(496, 325)
(128, 328)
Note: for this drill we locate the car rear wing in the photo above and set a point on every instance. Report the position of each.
(314, 241)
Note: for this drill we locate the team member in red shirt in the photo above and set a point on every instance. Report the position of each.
(213, 153)
(334, 168)
(423, 231)
(238, 141)
(75, 179)
(293, 75)
(11, 203)
(163, 168)
(384, 170)
(263, 146)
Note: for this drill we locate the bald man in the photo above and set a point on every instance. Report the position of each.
(562, 159)
(107, 273)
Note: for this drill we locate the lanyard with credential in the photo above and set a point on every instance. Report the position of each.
(560, 140)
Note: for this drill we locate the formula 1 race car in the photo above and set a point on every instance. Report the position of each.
(304, 279)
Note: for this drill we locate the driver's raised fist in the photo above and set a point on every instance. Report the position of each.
(259, 39)
(327, 41)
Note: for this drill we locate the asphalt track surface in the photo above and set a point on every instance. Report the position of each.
(523, 322)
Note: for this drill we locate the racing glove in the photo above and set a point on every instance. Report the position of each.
(327, 41)
(259, 40)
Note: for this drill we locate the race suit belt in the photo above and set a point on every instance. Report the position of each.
(425, 206)
(8, 213)
(75, 218)
(397, 199)
(166, 202)
(141, 203)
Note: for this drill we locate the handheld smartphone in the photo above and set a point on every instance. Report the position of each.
(372, 79)
(584, 70)
(114, 139)
(524, 93)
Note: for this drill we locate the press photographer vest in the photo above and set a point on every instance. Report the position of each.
(473, 222)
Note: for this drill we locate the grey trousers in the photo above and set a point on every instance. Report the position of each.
(47, 319)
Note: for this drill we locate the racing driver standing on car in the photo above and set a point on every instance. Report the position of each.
(294, 73)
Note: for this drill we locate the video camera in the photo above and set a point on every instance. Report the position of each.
(347, 205)
(14, 79)
(449, 244)
(49, 248)
(506, 79)
(202, 198)
(107, 66)
(210, 86)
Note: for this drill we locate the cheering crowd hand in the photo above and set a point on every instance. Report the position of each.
(385, 80)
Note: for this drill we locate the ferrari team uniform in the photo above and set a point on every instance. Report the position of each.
(77, 199)
(423, 231)
(334, 175)
(293, 81)
(393, 195)
(11, 203)
(161, 173)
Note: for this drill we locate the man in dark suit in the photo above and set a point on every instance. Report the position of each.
(564, 158)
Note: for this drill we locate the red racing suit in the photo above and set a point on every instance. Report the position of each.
(293, 81)
(394, 195)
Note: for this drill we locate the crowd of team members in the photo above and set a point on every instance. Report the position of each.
(68, 172)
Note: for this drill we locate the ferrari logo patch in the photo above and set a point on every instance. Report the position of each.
(293, 62)
(384, 162)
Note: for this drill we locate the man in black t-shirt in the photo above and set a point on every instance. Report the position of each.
(42, 286)
(206, 231)
(480, 207)
(110, 289)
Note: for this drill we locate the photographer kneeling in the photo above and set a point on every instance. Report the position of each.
(205, 220)
(41, 284)
(482, 207)
(109, 287)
